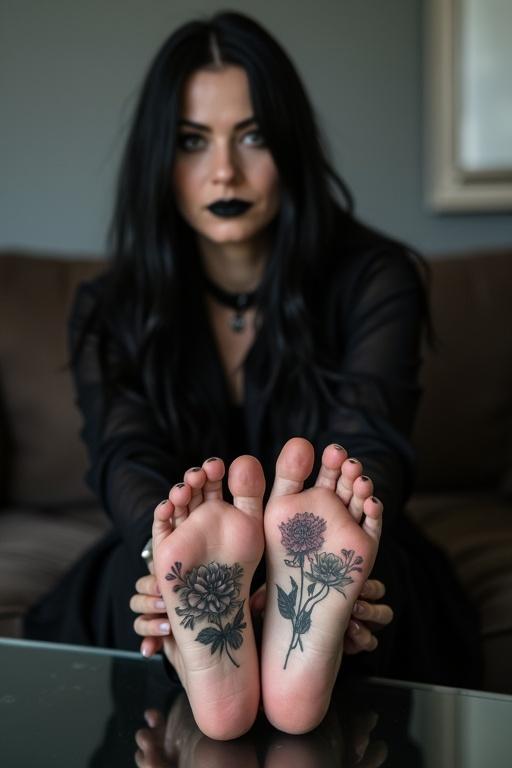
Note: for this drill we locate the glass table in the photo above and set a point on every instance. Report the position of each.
(72, 706)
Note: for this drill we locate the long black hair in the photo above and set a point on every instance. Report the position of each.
(151, 304)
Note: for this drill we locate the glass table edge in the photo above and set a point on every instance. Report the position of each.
(133, 655)
(443, 689)
(90, 650)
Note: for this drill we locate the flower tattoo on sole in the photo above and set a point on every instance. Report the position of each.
(302, 536)
(210, 592)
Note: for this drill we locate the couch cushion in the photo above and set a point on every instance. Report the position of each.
(39, 421)
(476, 533)
(463, 433)
(36, 549)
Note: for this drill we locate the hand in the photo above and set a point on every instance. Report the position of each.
(152, 624)
(367, 618)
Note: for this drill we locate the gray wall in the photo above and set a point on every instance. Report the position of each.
(69, 73)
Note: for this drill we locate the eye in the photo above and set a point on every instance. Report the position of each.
(254, 138)
(190, 142)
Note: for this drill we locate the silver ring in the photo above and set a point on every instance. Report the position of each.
(147, 552)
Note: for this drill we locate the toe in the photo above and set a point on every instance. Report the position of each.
(293, 466)
(162, 521)
(195, 477)
(214, 470)
(246, 483)
(350, 469)
(361, 489)
(180, 495)
(372, 523)
(332, 459)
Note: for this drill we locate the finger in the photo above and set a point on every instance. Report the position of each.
(146, 604)
(150, 646)
(258, 599)
(149, 626)
(376, 613)
(375, 756)
(361, 636)
(147, 585)
(373, 589)
(150, 750)
(154, 718)
(363, 724)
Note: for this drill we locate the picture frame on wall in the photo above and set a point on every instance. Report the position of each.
(468, 126)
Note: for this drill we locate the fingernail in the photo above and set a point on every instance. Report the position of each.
(375, 500)
(353, 461)
(354, 627)
(165, 627)
(163, 502)
(358, 608)
(338, 447)
(213, 458)
(365, 478)
(179, 485)
(195, 469)
(144, 652)
(161, 604)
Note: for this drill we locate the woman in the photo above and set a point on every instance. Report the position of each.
(244, 305)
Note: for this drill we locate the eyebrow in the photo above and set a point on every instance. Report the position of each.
(207, 129)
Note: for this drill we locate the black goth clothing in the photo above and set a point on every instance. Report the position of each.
(368, 312)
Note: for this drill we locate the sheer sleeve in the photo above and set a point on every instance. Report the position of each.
(379, 315)
(131, 461)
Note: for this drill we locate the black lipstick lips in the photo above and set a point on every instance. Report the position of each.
(228, 208)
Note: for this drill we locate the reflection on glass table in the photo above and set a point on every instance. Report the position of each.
(72, 706)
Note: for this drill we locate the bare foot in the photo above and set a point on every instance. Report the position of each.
(320, 547)
(205, 553)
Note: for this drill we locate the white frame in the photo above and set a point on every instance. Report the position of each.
(447, 187)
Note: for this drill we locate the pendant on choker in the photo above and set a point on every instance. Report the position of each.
(239, 302)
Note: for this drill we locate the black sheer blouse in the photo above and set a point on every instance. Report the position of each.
(369, 312)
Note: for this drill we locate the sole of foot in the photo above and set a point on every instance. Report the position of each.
(205, 553)
(321, 545)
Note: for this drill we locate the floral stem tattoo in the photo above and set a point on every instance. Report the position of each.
(302, 536)
(211, 592)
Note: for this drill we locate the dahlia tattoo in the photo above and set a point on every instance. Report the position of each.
(210, 592)
(302, 536)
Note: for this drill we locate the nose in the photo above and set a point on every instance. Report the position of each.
(224, 165)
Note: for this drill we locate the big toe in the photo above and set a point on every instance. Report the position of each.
(246, 483)
(294, 465)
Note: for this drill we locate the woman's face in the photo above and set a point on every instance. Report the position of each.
(221, 156)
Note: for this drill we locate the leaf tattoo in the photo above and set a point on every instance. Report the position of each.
(302, 536)
(211, 592)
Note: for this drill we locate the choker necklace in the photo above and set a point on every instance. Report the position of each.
(239, 302)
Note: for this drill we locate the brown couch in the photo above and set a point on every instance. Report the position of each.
(463, 438)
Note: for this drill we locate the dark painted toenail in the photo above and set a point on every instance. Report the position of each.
(365, 478)
(195, 469)
(338, 447)
(179, 485)
(353, 461)
(213, 458)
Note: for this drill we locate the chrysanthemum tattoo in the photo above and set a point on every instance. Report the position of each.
(302, 536)
(210, 592)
